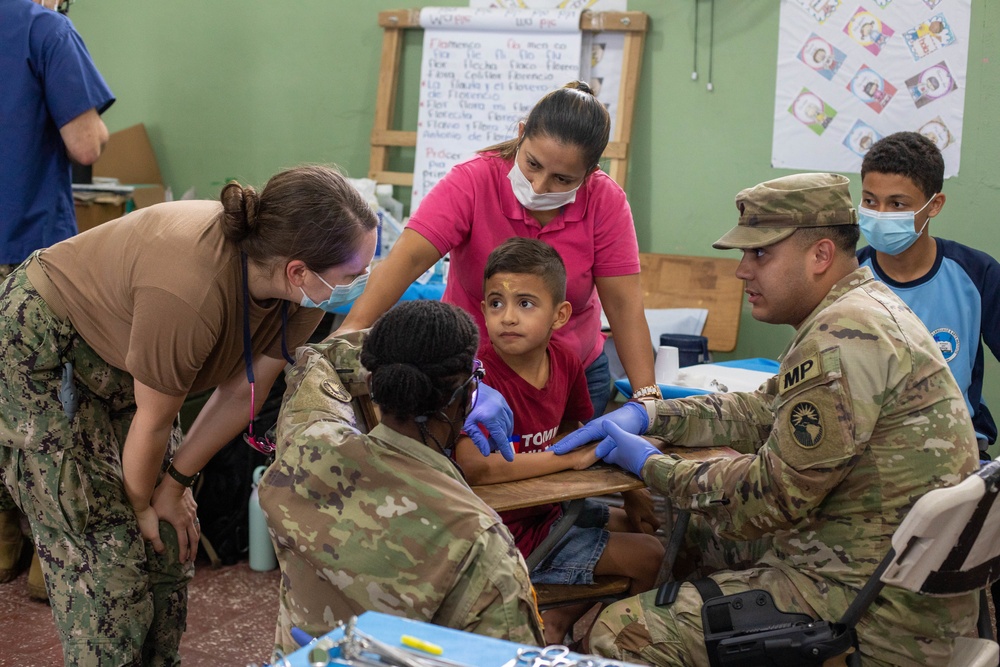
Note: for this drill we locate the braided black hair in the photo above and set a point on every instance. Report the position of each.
(418, 353)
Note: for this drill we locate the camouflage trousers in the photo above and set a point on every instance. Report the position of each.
(705, 552)
(115, 601)
(6, 501)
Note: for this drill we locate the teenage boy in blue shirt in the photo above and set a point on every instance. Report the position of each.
(953, 289)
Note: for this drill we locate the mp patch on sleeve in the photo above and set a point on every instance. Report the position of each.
(807, 426)
(805, 369)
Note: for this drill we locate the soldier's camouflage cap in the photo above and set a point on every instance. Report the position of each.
(773, 210)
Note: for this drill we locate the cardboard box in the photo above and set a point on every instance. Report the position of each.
(129, 157)
(91, 212)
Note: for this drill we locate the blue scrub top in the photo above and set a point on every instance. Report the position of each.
(48, 80)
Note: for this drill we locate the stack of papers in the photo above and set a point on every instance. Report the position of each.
(715, 377)
(102, 185)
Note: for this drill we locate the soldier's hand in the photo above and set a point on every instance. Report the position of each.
(149, 526)
(491, 410)
(631, 417)
(624, 449)
(175, 504)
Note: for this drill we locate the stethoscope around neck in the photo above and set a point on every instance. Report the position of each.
(262, 443)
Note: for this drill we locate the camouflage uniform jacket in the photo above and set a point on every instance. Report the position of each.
(861, 420)
(380, 521)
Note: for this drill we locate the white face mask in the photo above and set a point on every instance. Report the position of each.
(533, 201)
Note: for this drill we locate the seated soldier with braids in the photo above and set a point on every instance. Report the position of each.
(384, 521)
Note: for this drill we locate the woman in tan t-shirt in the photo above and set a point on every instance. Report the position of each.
(102, 337)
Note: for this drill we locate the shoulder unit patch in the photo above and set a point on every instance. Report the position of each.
(335, 391)
(807, 427)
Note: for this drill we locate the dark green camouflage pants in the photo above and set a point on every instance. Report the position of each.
(114, 600)
(6, 502)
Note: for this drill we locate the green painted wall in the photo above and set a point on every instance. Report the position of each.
(244, 88)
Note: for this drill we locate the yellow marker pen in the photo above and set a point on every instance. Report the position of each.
(421, 645)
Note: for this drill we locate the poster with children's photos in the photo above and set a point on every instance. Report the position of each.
(853, 71)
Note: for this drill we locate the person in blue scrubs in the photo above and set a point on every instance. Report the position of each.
(51, 98)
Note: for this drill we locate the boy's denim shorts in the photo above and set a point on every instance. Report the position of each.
(572, 560)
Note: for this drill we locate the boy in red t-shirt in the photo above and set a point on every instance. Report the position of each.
(545, 385)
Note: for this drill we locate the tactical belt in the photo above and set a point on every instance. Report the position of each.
(747, 629)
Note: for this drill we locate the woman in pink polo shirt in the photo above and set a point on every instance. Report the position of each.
(544, 184)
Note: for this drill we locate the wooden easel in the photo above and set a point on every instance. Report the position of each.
(385, 137)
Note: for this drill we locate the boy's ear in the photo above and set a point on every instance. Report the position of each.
(936, 205)
(563, 311)
(482, 307)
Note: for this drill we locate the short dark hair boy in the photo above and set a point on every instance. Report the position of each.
(530, 257)
(524, 302)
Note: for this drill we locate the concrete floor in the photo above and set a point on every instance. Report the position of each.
(231, 618)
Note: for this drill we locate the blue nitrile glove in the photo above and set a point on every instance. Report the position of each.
(494, 414)
(631, 417)
(301, 637)
(624, 449)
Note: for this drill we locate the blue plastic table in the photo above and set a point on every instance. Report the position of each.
(462, 647)
(675, 391)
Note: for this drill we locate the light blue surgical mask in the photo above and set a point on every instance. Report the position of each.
(890, 232)
(339, 295)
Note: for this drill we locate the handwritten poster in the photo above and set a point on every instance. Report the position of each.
(853, 71)
(602, 53)
(595, 5)
(482, 72)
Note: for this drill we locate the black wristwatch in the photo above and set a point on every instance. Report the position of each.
(184, 480)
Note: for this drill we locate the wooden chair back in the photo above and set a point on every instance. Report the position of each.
(682, 281)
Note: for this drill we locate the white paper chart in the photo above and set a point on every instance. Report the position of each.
(482, 71)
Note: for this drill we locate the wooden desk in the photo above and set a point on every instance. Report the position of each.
(597, 480)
